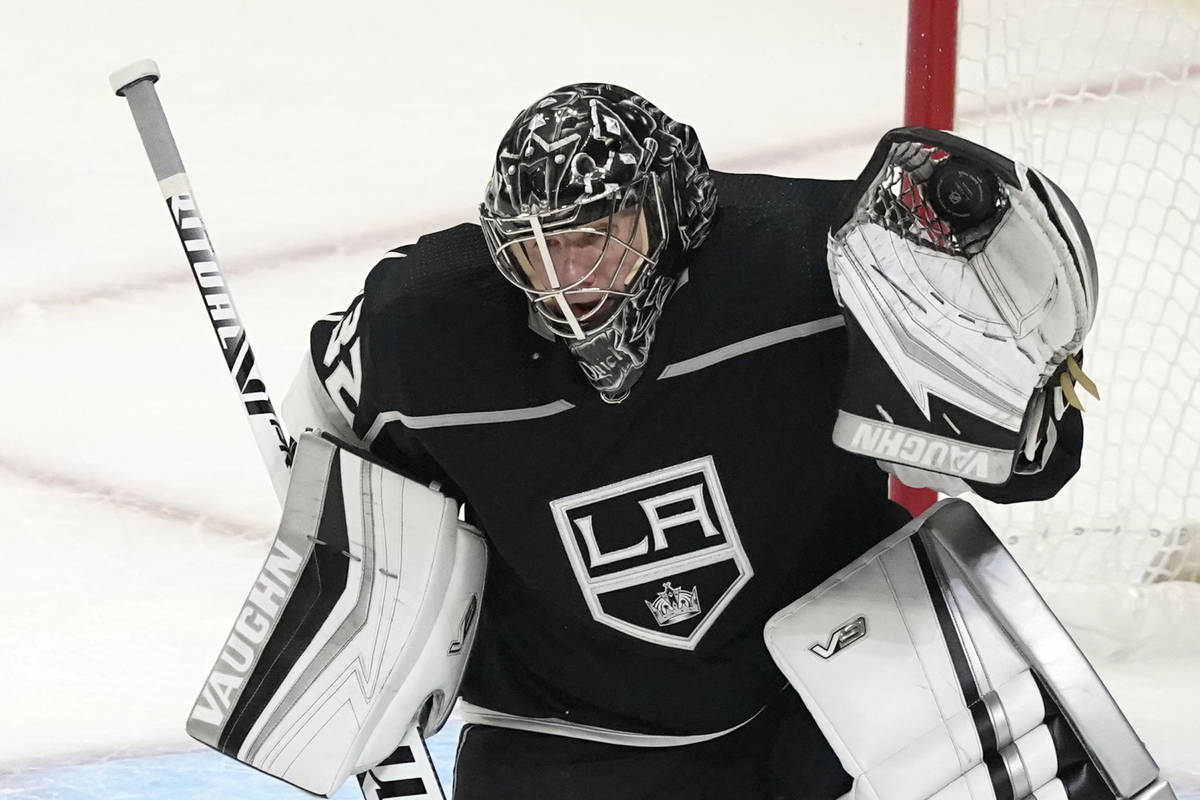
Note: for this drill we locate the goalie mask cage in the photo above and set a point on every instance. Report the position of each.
(1103, 96)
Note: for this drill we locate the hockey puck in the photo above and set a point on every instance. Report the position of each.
(963, 194)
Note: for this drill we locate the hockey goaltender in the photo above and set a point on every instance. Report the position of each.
(606, 468)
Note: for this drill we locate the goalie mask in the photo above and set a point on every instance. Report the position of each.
(594, 195)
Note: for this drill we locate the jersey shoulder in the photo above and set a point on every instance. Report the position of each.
(776, 231)
(436, 330)
(447, 267)
(763, 267)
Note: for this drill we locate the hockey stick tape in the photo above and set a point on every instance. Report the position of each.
(127, 76)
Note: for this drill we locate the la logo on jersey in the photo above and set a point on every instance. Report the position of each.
(657, 556)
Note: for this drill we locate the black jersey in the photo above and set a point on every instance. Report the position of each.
(636, 549)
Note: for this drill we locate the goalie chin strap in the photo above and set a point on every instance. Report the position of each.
(136, 84)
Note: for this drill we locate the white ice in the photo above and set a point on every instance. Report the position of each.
(134, 511)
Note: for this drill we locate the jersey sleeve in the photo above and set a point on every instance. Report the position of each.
(341, 387)
(307, 406)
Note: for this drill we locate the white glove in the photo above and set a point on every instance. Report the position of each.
(967, 281)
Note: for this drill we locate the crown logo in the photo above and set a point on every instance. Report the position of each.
(673, 605)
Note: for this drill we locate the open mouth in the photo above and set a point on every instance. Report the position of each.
(581, 304)
(591, 309)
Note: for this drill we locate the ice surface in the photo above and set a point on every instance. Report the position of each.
(134, 512)
(201, 775)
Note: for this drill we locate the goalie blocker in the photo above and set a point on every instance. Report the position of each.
(358, 625)
(935, 670)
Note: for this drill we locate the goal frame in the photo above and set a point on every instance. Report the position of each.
(929, 86)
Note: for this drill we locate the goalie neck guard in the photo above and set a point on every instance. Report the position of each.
(594, 194)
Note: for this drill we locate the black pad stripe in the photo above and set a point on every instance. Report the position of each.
(1078, 773)
(402, 755)
(984, 727)
(401, 787)
(318, 588)
(406, 787)
(1001, 782)
(1043, 194)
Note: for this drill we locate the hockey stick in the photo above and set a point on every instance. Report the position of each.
(136, 84)
(404, 773)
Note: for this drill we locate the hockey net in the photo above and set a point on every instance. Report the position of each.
(1104, 97)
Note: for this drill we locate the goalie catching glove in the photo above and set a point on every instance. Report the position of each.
(358, 625)
(968, 283)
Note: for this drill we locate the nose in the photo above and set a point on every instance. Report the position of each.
(577, 257)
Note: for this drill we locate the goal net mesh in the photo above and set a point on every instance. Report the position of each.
(1104, 97)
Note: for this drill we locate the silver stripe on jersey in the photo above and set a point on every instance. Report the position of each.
(449, 420)
(453, 419)
(479, 715)
(750, 345)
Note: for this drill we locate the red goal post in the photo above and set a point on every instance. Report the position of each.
(929, 102)
(1104, 97)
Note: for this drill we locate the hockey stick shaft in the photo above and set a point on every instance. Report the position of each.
(136, 84)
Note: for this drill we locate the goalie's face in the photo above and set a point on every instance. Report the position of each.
(579, 265)
(589, 267)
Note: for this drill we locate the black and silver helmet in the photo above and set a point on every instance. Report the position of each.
(598, 168)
